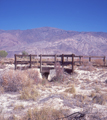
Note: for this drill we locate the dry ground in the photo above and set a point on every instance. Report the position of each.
(84, 91)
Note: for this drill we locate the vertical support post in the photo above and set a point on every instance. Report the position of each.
(40, 63)
(80, 60)
(15, 62)
(55, 58)
(62, 59)
(67, 59)
(30, 60)
(104, 60)
(72, 62)
(89, 59)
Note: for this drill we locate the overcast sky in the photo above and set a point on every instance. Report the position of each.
(75, 15)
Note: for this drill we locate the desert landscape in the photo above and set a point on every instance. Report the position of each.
(26, 95)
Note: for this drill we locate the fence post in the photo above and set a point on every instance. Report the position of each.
(104, 60)
(62, 59)
(55, 58)
(72, 62)
(80, 59)
(40, 63)
(67, 58)
(89, 59)
(30, 60)
(15, 62)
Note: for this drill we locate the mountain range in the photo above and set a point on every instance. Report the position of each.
(48, 40)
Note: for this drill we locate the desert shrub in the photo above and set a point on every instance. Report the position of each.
(98, 62)
(34, 75)
(59, 73)
(24, 53)
(87, 66)
(80, 97)
(16, 80)
(18, 107)
(71, 90)
(13, 80)
(28, 93)
(3, 53)
(44, 114)
(1, 90)
(92, 94)
(100, 99)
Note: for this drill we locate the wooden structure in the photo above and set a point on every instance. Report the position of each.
(41, 59)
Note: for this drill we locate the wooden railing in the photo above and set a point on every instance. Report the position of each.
(55, 58)
(41, 61)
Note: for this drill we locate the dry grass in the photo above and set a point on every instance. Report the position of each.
(16, 80)
(44, 114)
(29, 93)
(98, 62)
(87, 66)
(1, 90)
(18, 107)
(71, 90)
(100, 99)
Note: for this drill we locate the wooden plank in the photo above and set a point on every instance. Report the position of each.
(46, 69)
(93, 56)
(47, 55)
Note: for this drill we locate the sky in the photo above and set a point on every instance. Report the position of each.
(74, 15)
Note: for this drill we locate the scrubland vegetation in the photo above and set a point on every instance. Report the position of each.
(79, 96)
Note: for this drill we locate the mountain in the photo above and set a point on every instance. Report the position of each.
(47, 40)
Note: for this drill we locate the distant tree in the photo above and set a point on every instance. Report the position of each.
(3, 53)
(24, 53)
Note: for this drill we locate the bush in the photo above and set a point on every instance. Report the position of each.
(29, 93)
(17, 80)
(13, 80)
(100, 99)
(44, 114)
(24, 53)
(59, 73)
(71, 90)
(3, 53)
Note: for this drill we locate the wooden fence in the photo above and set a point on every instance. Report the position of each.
(56, 58)
(41, 61)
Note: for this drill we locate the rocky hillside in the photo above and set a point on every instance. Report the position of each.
(47, 40)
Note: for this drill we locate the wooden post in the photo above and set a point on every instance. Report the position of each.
(55, 58)
(67, 58)
(80, 59)
(89, 59)
(15, 62)
(72, 62)
(104, 60)
(30, 60)
(40, 63)
(62, 59)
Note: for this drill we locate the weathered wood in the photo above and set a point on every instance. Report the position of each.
(30, 60)
(15, 62)
(40, 63)
(93, 56)
(55, 58)
(73, 62)
(62, 59)
(80, 59)
(53, 61)
(89, 59)
(104, 60)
